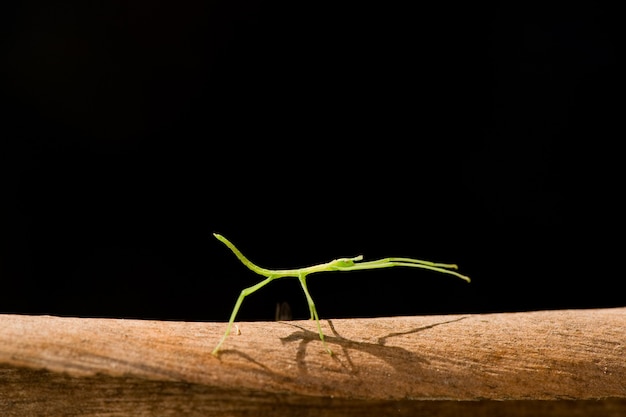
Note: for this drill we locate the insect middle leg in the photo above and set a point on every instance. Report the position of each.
(313, 311)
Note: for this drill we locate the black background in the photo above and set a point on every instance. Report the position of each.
(482, 134)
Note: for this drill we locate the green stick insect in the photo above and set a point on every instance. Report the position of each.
(341, 264)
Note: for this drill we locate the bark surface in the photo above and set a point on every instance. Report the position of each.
(553, 362)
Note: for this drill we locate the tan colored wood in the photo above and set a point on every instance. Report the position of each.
(566, 358)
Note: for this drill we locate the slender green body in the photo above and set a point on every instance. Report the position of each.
(341, 264)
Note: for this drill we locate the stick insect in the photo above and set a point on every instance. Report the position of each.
(341, 264)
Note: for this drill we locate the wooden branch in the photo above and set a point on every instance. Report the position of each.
(73, 366)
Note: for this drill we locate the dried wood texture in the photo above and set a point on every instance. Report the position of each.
(75, 366)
